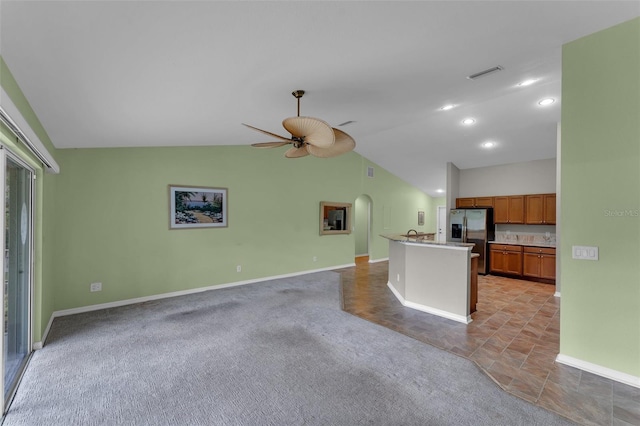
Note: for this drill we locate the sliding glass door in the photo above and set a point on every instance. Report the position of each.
(16, 321)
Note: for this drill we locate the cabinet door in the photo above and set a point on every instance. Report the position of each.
(534, 209)
(548, 266)
(484, 202)
(465, 202)
(516, 209)
(549, 215)
(496, 261)
(513, 263)
(501, 209)
(531, 265)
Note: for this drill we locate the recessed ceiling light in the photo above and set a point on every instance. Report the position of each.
(489, 144)
(468, 121)
(528, 82)
(439, 191)
(545, 102)
(447, 107)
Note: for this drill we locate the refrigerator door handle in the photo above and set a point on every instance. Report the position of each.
(464, 229)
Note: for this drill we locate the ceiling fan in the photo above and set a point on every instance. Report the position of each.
(308, 136)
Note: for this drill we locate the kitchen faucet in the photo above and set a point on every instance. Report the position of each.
(413, 231)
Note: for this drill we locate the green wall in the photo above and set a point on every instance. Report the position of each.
(600, 203)
(112, 226)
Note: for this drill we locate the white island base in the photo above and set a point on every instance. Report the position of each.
(433, 278)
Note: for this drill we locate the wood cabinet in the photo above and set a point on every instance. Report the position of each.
(540, 209)
(506, 259)
(480, 202)
(539, 262)
(508, 209)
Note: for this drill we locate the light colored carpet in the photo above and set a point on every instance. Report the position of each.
(273, 353)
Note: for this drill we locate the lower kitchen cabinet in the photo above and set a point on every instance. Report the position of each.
(506, 259)
(539, 262)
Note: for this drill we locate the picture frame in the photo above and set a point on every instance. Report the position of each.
(420, 218)
(197, 207)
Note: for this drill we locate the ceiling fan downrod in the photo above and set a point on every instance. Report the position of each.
(298, 94)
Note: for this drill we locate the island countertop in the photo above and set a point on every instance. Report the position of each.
(424, 239)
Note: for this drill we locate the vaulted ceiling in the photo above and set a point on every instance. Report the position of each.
(161, 73)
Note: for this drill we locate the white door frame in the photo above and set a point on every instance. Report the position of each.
(441, 236)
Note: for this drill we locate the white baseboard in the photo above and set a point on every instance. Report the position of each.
(362, 255)
(428, 309)
(599, 370)
(40, 344)
(556, 294)
(118, 303)
(396, 293)
(384, 259)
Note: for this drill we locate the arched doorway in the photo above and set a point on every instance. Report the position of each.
(362, 226)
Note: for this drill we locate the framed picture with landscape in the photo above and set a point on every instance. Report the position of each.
(197, 207)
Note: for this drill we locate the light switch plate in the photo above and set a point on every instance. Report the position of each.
(585, 252)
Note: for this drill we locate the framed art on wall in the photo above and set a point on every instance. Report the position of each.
(197, 207)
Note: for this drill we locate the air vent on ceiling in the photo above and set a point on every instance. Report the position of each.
(370, 171)
(485, 72)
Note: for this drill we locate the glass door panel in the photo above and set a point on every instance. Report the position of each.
(17, 273)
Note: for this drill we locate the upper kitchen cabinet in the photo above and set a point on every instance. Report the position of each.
(479, 202)
(508, 209)
(540, 209)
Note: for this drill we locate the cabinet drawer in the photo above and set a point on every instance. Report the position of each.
(506, 247)
(540, 250)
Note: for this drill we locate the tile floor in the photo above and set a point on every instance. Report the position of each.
(514, 338)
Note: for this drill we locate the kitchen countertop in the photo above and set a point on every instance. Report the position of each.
(519, 243)
(423, 240)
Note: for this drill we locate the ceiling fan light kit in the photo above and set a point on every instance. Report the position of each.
(309, 135)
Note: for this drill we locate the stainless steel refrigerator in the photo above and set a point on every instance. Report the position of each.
(473, 226)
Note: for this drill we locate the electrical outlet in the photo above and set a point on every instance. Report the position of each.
(239, 268)
(315, 258)
(95, 287)
(398, 277)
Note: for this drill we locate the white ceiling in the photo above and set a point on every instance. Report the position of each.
(160, 73)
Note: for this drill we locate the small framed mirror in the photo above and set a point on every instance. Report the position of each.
(335, 218)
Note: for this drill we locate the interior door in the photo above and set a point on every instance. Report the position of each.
(17, 246)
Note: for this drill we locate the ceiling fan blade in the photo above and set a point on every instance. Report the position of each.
(297, 152)
(269, 144)
(343, 144)
(268, 133)
(316, 132)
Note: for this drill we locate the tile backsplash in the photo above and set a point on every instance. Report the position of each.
(526, 234)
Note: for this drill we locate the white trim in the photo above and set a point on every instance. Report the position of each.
(396, 293)
(118, 303)
(556, 294)
(599, 370)
(362, 255)
(428, 309)
(13, 114)
(38, 345)
(382, 259)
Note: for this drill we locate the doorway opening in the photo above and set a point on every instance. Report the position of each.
(362, 227)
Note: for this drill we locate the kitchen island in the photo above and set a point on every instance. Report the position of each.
(436, 278)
